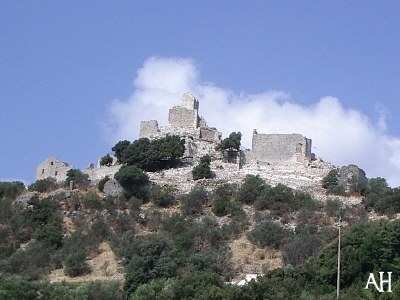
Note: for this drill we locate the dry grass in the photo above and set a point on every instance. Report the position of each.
(104, 267)
(249, 259)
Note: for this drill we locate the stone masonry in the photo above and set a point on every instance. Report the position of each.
(54, 168)
(271, 154)
(272, 148)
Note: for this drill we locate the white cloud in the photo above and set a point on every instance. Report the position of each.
(340, 135)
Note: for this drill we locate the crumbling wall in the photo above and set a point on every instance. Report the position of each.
(210, 134)
(186, 114)
(279, 147)
(53, 168)
(148, 129)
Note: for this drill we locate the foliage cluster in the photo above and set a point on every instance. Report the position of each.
(381, 197)
(44, 185)
(230, 143)
(11, 189)
(202, 170)
(134, 181)
(152, 155)
(78, 178)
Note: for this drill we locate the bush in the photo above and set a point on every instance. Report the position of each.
(202, 170)
(192, 203)
(106, 160)
(102, 182)
(162, 196)
(44, 185)
(251, 188)
(78, 178)
(332, 207)
(268, 234)
(222, 198)
(11, 189)
(152, 155)
(134, 181)
(92, 200)
(230, 143)
(75, 264)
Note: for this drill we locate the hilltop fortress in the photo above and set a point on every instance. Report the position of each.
(270, 153)
(184, 120)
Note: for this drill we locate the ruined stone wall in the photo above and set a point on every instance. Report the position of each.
(148, 129)
(189, 101)
(182, 117)
(210, 134)
(279, 147)
(96, 174)
(53, 168)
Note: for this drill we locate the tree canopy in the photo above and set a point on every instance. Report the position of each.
(152, 155)
(230, 143)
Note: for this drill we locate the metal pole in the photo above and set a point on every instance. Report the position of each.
(338, 264)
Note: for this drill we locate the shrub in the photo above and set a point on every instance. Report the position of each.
(268, 234)
(251, 188)
(106, 160)
(50, 234)
(78, 178)
(202, 170)
(134, 181)
(11, 189)
(222, 198)
(44, 185)
(230, 143)
(192, 203)
(162, 196)
(92, 200)
(75, 264)
(102, 182)
(332, 207)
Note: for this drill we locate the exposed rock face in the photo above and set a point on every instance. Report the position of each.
(112, 188)
(351, 178)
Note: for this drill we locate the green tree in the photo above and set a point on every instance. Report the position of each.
(251, 188)
(77, 177)
(119, 149)
(11, 189)
(106, 160)
(134, 181)
(44, 185)
(222, 198)
(75, 263)
(202, 170)
(192, 203)
(102, 182)
(230, 143)
(162, 196)
(153, 155)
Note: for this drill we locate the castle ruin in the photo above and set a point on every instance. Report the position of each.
(183, 120)
(200, 139)
(53, 168)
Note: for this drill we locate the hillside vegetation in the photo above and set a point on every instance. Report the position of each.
(155, 242)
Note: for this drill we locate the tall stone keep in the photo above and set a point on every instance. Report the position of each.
(185, 115)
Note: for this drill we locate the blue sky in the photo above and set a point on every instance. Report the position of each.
(75, 76)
